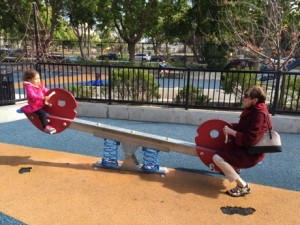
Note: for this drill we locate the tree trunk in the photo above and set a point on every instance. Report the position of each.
(131, 50)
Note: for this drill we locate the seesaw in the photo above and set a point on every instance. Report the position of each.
(61, 109)
(62, 112)
(209, 141)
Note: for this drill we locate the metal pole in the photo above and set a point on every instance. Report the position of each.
(109, 84)
(277, 90)
(187, 97)
(36, 33)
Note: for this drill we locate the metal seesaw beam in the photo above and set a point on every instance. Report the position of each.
(131, 140)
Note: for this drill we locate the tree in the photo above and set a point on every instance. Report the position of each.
(170, 26)
(82, 18)
(156, 36)
(52, 16)
(262, 28)
(193, 23)
(17, 20)
(266, 30)
(9, 21)
(131, 19)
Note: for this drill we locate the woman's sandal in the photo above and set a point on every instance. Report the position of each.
(239, 191)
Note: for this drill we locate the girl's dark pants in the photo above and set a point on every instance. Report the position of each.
(43, 117)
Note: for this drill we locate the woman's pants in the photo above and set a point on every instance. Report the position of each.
(227, 169)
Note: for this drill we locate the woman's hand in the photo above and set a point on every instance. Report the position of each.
(229, 131)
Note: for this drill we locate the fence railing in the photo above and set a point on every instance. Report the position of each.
(170, 87)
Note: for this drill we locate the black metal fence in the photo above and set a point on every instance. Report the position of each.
(169, 87)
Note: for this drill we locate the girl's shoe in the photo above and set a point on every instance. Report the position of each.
(20, 111)
(50, 130)
(239, 191)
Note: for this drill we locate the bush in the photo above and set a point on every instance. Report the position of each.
(83, 91)
(134, 85)
(215, 56)
(196, 96)
(236, 83)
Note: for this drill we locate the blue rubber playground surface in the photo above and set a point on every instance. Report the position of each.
(280, 170)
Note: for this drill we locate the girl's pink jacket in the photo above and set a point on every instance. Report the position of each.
(35, 96)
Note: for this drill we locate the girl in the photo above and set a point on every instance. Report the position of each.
(36, 98)
(252, 125)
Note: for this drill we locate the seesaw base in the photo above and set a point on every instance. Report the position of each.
(138, 168)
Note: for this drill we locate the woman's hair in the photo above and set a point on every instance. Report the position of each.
(29, 74)
(256, 92)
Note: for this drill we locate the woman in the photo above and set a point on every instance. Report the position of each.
(247, 132)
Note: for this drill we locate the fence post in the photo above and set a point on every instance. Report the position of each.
(187, 89)
(277, 87)
(109, 84)
(7, 89)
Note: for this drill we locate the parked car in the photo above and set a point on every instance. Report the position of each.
(266, 76)
(178, 58)
(267, 73)
(239, 64)
(142, 57)
(73, 58)
(4, 52)
(57, 58)
(156, 58)
(110, 56)
(11, 55)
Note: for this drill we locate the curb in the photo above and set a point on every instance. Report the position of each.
(284, 124)
(281, 123)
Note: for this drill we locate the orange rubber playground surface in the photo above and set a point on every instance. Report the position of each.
(65, 188)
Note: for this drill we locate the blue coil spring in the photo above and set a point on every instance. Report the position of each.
(150, 160)
(110, 154)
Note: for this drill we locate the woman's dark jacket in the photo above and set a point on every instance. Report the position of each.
(250, 128)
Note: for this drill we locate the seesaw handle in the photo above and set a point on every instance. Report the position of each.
(226, 136)
(226, 139)
(50, 95)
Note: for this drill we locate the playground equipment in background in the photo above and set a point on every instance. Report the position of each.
(97, 83)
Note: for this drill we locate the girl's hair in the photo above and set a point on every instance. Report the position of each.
(29, 74)
(256, 92)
